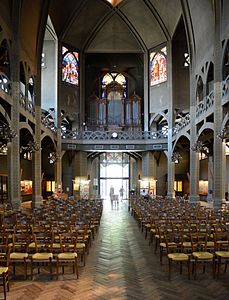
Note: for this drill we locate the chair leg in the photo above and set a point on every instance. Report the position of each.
(57, 268)
(195, 268)
(50, 265)
(169, 269)
(76, 268)
(225, 269)
(25, 265)
(218, 266)
(14, 268)
(31, 269)
(188, 265)
(4, 285)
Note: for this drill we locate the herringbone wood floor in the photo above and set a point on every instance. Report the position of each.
(121, 265)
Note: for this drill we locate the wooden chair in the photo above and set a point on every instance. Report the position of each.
(68, 255)
(200, 254)
(4, 272)
(222, 251)
(174, 255)
(19, 250)
(43, 255)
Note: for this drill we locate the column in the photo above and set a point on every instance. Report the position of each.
(14, 173)
(36, 163)
(194, 156)
(218, 157)
(146, 91)
(58, 164)
(171, 166)
(210, 179)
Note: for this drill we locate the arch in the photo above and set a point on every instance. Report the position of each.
(199, 89)
(25, 125)
(4, 57)
(225, 120)
(185, 135)
(45, 134)
(156, 115)
(210, 78)
(225, 61)
(205, 126)
(5, 115)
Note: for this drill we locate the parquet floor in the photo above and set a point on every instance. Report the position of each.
(121, 265)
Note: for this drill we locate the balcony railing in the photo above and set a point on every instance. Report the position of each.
(109, 135)
(204, 105)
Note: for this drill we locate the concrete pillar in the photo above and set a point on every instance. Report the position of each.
(218, 151)
(58, 165)
(36, 163)
(194, 156)
(14, 174)
(148, 165)
(146, 91)
(171, 167)
(210, 179)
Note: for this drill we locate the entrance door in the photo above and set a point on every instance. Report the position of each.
(114, 172)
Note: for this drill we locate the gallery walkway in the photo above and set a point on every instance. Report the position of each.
(121, 265)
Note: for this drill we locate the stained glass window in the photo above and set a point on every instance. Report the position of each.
(70, 66)
(158, 66)
(114, 77)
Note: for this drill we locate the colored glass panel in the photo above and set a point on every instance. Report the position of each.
(70, 66)
(158, 66)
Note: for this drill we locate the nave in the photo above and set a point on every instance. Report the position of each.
(121, 265)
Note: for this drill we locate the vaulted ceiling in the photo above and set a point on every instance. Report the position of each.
(114, 26)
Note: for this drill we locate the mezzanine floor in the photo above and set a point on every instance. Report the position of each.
(121, 265)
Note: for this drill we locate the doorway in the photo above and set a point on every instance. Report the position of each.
(114, 172)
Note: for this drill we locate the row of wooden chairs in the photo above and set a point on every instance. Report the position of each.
(185, 233)
(59, 234)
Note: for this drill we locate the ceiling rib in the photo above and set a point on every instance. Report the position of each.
(75, 13)
(156, 15)
(115, 10)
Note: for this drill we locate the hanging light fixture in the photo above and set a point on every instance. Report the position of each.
(176, 157)
(3, 149)
(52, 157)
(32, 146)
(224, 133)
(6, 133)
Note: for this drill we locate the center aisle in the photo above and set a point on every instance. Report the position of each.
(121, 265)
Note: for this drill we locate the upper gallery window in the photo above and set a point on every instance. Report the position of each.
(70, 66)
(158, 66)
(113, 78)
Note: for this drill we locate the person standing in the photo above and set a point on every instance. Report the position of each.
(121, 192)
(111, 193)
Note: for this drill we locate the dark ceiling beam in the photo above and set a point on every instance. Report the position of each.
(115, 10)
(189, 29)
(158, 18)
(75, 13)
(41, 28)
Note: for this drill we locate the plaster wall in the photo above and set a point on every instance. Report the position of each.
(161, 173)
(49, 76)
(159, 97)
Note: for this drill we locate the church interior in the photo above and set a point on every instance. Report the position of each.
(114, 149)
